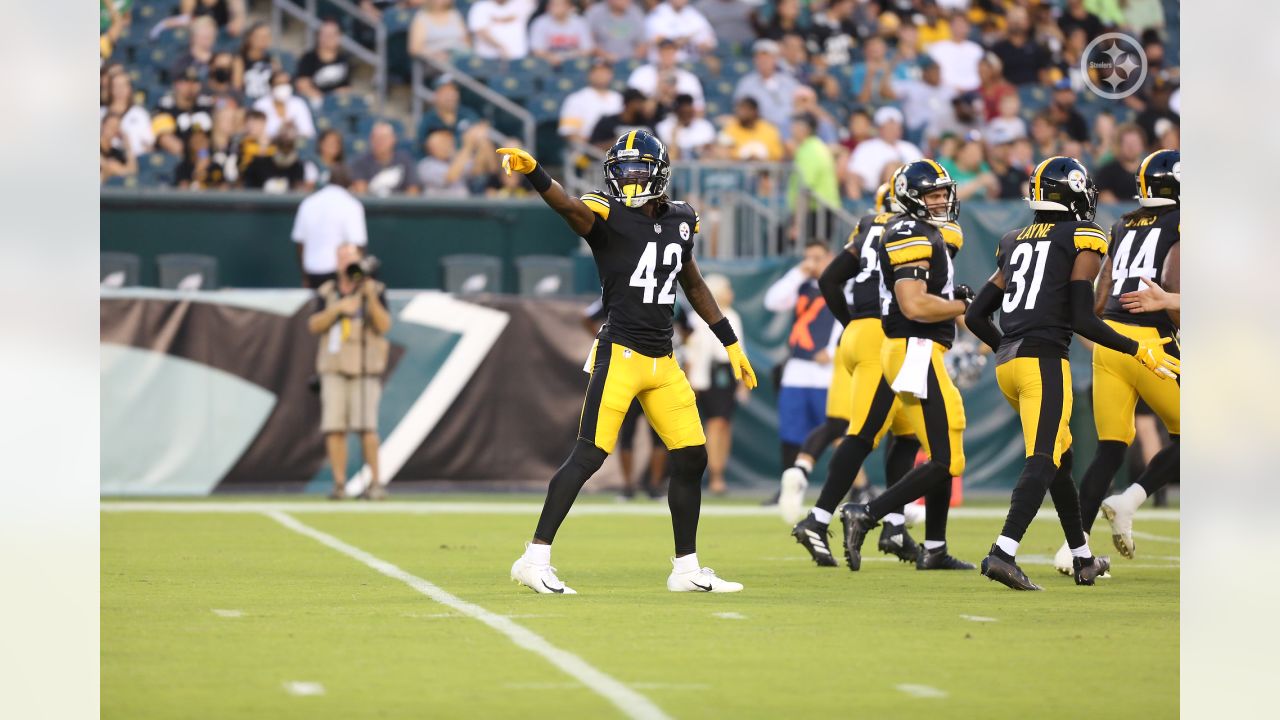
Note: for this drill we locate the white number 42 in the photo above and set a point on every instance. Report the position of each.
(645, 275)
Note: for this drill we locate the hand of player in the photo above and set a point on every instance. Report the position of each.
(1152, 355)
(518, 160)
(1149, 299)
(741, 366)
(963, 293)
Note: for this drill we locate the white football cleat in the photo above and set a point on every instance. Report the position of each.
(1119, 512)
(914, 513)
(791, 496)
(1062, 559)
(700, 580)
(539, 578)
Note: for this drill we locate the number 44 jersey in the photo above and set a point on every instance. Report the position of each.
(1140, 243)
(1036, 261)
(639, 258)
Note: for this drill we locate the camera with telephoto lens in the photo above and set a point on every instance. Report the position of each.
(366, 267)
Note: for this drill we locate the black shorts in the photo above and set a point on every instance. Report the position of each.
(720, 400)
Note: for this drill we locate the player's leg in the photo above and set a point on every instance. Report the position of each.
(626, 452)
(1115, 396)
(899, 459)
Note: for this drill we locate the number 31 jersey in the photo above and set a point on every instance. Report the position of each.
(1140, 243)
(639, 258)
(1036, 262)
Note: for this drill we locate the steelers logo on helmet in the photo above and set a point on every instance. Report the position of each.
(1177, 171)
(1061, 184)
(916, 190)
(900, 185)
(1076, 180)
(684, 231)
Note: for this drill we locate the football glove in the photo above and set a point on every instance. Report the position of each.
(1152, 355)
(964, 293)
(741, 366)
(518, 160)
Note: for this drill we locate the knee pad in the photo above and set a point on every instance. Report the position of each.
(587, 457)
(689, 462)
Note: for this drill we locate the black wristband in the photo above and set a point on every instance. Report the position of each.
(539, 179)
(724, 331)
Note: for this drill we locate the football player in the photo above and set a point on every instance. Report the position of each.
(1043, 288)
(1144, 247)
(643, 244)
(919, 304)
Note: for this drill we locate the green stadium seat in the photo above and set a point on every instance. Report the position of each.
(182, 271)
(397, 20)
(544, 275)
(156, 169)
(516, 86)
(545, 107)
(471, 274)
(119, 269)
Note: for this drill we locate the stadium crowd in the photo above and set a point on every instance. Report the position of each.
(197, 95)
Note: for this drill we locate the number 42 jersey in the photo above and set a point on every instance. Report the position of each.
(639, 259)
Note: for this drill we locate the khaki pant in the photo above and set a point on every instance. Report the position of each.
(341, 403)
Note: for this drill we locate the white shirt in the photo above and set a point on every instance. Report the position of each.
(703, 348)
(958, 62)
(326, 219)
(507, 23)
(797, 372)
(135, 125)
(693, 137)
(921, 102)
(584, 108)
(645, 79)
(871, 155)
(296, 111)
(687, 26)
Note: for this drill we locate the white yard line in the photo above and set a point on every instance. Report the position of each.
(227, 613)
(921, 691)
(977, 618)
(302, 688)
(631, 703)
(730, 616)
(1156, 538)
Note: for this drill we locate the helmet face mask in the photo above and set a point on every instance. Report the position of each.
(1159, 179)
(636, 169)
(913, 181)
(1063, 184)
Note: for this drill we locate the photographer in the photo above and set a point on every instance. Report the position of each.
(352, 317)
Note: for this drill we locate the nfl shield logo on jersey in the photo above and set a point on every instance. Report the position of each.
(657, 228)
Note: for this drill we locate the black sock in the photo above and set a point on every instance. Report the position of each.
(684, 496)
(1067, 502)
(1164, 469)
(821, 437)
(1037, 473)
(913, 485)
(1097, 479)
(995, 550)
(583, 462)
(899, 458)
(841, 472)
(937, 504)
(789, 453)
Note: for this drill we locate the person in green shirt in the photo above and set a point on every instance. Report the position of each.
(813, 163)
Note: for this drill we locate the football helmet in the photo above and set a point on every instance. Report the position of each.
(636, 168)
(1062, 184)
(913, 181)
(1160, 179)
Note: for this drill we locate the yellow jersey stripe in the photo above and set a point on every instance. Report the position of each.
(597, 206)
(631, 139)
(953, 235)
(1089, 241)
(904, 241)
(1090, 231)
(1142, 175)
(911, 253)
(1035, 195)
(595, 196)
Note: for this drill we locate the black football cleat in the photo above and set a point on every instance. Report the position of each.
(813, 536)
(857, 522)
(938, 559)
(894, 540)
(1006, 573)
(1089, 569)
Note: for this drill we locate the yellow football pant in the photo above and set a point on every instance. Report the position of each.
(938, 420)
(1119, 380)
(620, 375)
(1039, 389)
(858, 391)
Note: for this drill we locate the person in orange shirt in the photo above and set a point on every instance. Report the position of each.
(749, 136)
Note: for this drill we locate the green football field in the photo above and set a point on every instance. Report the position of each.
(248, 609)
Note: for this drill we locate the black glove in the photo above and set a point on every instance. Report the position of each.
(963, 292)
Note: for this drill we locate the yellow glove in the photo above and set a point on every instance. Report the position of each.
(741, 366)
(518, 160)
(1152, 355)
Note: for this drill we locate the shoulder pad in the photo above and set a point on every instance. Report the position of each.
(952, 235)
(1088, 236)
(598, 202)
(911, 247)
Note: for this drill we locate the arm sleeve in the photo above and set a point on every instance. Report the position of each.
(844, 266)
(978, 316)
(781, 295)
(1090, 326)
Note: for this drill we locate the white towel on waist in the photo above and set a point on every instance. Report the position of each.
(913, 377)
(590, 364)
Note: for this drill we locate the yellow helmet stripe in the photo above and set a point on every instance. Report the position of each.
(937, 167)
(631, 139)
(1035, 195)
(1142, 175)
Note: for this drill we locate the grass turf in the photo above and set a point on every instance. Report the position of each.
(809, 638)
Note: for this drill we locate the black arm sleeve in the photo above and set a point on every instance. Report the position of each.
(1090, 326)
(844, 266)
(978, 317)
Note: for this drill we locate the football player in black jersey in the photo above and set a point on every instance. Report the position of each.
(919, 304)
(1043, 288)
(642, 243)
(1145, 247)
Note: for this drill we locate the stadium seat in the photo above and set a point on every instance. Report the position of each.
(470, 274)
(581, 65)
(288, 61)
(623, 68)
(118, 269)
(544, 275)
(720, 88)
(545, 107)
(1033, 97)
(182, 271)
(344, 102)
(562, 84)
(397, 19)
(156, 169)
(477, 67)
(516, 86)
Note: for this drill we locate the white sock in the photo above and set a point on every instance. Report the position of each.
(820, 515)
(934, 544)
(1082, 552)
(895, 519)
(1007, 544)
(1135, 495)
(805, 465)
(687, 564)
(537, 554)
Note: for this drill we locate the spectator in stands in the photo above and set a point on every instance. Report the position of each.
(635, 115)
(686, 135)
(330, 151)
(179, 112)
(924, 100)
(447, 113)
(499, 28)
(974, 180)
(450, 171)
(873, 158)
(933, 24)
(872, 80)
(731, 20)
(383, 170)
(203, 34)
(327, 218)
(1104, 138)
(785, 18)
(283, 109)
(793, 58)
(1009, 123)
(209, 161)
(255, 64)
(962, 118)
(280, 171)
(1044, 135)
(326, 67)
(1063, 113)
(814, 169)
(226, 14)
(438, 30)
(135, 121)
(115, 156)
(560, 34)
(617, 30)
(1157, 109)
(859, 128)
(1022, 56)
(711, 378)
(958, 55)
(583, 108)
(666, 69)
(679, 22)
(804, 101)
(906, 48)
(771, 88)
(253, 140)
(748, 136)
(1011, 178)
(1074, 15)
(220, 83)
(831, 31)
(993, 85)
(1115, 180)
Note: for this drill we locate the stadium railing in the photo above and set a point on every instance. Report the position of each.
(422, 97)
(307, 14)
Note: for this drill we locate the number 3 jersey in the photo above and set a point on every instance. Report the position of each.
(639, 258)
(1140, 244)
(1036, 262)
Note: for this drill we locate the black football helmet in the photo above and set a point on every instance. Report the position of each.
(1160, 179)
(884, 199)
(636, 168)
(913, 181)
(1062, 184)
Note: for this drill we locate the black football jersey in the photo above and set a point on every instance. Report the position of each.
(864, 288)
(639, 258)
(1140, 242)
(1036, 262)
(907, 240)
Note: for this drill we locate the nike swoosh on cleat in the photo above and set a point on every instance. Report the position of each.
(545, 585)
(704, 588)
